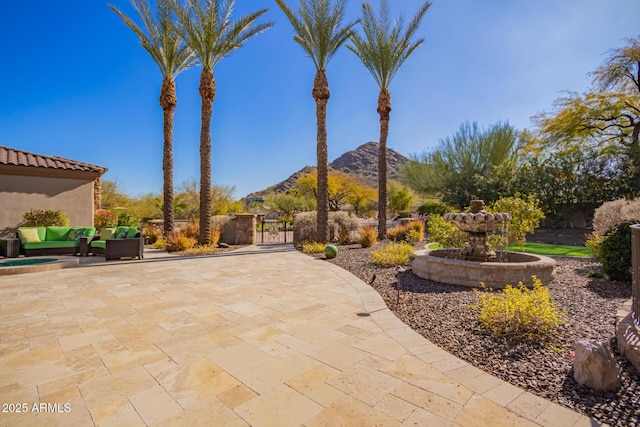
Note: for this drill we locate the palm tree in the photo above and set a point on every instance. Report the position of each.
(318, 30)
(207, 28)
(383, 50)
(158, 37)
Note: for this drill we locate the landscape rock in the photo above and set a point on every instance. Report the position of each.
(628, 339)
(595, 366)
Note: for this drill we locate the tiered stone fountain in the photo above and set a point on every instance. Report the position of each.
(476, 262)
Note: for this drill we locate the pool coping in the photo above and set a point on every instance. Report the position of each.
(58, 263)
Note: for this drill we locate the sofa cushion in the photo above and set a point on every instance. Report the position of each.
(132, 232)
(28, 235)
(107, 233)
(121, 232)
(52, 244)
(98, 244)
(89, 231)
(58, 233)
(75, 233)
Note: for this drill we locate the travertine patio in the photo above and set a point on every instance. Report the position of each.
(265, 336)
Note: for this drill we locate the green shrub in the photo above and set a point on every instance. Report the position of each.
(525, 213)
(128, 219)
(519, 312)
(367, 236)
(615, 252)
(393, 254)
(313, 247)
(104, 218)
(434, 208)
(594, 244)
(448, 235)
(44, 218)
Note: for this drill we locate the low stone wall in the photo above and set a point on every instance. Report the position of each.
(496, 275)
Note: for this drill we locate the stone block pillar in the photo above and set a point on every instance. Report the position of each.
(241, 230)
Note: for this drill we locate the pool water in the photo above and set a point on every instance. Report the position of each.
(21, 262)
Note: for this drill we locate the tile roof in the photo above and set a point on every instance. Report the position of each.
(14, 157)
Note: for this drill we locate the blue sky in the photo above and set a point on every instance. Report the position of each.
(77, 84)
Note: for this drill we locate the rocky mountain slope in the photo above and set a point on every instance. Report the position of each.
(361, 162)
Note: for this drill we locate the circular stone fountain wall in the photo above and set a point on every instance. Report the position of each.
(441, 265)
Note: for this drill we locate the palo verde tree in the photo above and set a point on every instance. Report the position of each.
(208, 29)
(159, 38)
(383, 49)
(319, 31)
(607, 117)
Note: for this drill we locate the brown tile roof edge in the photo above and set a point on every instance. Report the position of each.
(14, 157)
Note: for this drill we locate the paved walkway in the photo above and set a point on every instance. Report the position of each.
(265, 337)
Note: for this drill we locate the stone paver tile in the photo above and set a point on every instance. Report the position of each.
(100, 391)
(93, 336)
(247, 308)
(32, 367)
(481, 412)
(193, 383)
(154, 404)
(272, 371)
(261, 336)
(503, 393)
(299, 345)
(364, 383)
(315, 334)
(356, 332)
(464, 373)
(182, 354)
(382, 346)
(412, 370)
(434, 356)
(424, 348)
(395, 407)
(449, 364)
(237, 357)
(210, 412)
(407, 337)
(349, 411)
(421, 418)
(312, 384)
(237, 396)
(528, 405)
(338, 355)
(584, 421)
(427, 400)
(124, 359)
(281, 407)
(557, 416)
(116, 413)
(482, 383)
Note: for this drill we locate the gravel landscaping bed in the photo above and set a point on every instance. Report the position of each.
(441, 313)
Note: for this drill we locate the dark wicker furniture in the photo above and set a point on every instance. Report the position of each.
(121, 248)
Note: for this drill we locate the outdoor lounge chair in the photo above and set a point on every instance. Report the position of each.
(127, 244)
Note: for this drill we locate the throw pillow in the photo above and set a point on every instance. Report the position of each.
(107, 233)
(76, 233)
(122, 234)
(28, 235)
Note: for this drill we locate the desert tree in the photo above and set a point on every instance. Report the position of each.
(158, 37)
(319, 30)
(383, 48)
(208, 28)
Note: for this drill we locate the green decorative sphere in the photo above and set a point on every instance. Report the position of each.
(330, 251)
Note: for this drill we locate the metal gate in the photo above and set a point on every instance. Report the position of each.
(271, 231)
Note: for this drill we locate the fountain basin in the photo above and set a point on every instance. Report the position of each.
(35, 264)
(445, 266)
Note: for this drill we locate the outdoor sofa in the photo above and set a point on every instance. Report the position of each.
(118, 242)
(54, 240)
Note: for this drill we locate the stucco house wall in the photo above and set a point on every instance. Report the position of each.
(32, 181)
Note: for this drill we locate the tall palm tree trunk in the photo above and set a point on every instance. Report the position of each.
(384, 110)
(168, 101)
(207, 91)
(321, 95)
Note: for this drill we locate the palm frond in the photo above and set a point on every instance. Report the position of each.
(319, 28)
(384, 46)
(158, 37)
(210, 30)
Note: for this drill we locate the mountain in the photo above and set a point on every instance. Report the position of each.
(361, 162)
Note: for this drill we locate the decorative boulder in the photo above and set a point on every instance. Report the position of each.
(595, 366)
